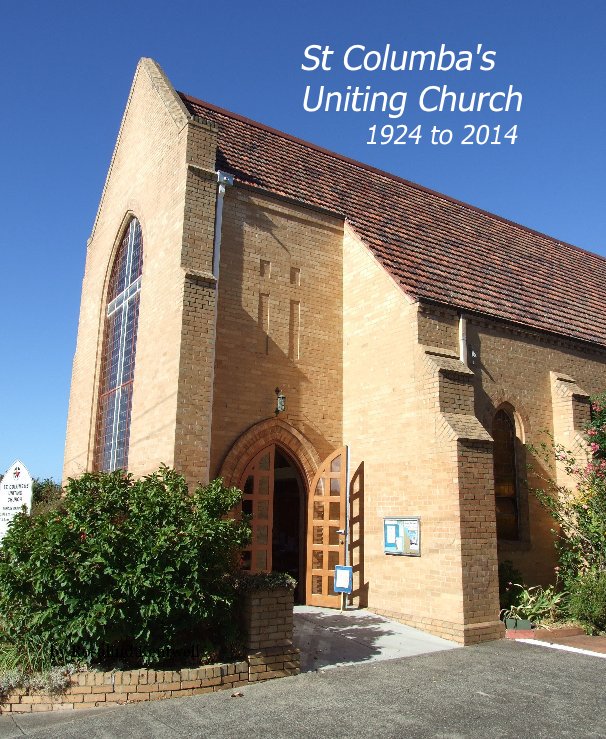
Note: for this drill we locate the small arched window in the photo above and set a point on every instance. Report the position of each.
(505, 475)
(119, 348)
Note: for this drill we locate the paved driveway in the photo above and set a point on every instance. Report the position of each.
(504, 690)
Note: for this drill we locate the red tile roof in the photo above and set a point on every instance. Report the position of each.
(436, 248)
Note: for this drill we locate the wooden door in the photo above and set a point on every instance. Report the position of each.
(325, 518)
(257, 487)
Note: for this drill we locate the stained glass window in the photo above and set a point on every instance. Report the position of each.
(119, 348)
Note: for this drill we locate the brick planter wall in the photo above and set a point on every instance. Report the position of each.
(95, 689)
(268, 621)
(267, 617)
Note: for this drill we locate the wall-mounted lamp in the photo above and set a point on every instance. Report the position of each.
(280, 401)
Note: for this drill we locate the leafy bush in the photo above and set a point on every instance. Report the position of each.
(123, 568)
(535, 604)
(580, 513)
(29, 656)
(266, 581)
(587, 599)
(46, 495)
(596, 428)
(45, 491)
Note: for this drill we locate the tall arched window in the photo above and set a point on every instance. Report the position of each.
(119, 347)
(505, 475)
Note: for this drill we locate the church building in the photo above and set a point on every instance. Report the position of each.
(365, 358)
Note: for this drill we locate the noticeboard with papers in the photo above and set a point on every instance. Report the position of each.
(402, 535)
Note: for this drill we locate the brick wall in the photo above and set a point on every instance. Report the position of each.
(408, 414)
(147, 178)
(279, 322)
(268, 621)
(391, 402)
(98, 689)
(161, 172)
(418, 424)
(571, 413)
(544, 381)
(376, 374)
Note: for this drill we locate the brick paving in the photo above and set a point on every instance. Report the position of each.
(591, 643)
(567, 637)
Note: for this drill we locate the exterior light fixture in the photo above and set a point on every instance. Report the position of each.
(280, 401)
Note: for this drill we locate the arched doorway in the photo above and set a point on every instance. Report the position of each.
(264, 462)
(274, 496)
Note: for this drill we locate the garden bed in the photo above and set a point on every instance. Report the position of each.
(267, 614)
(122, 573)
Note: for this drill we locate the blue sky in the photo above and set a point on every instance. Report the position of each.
(67, 68)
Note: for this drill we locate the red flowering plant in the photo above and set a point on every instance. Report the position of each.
(580, 512)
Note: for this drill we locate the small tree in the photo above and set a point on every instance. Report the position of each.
(122, 566)
(581, 515)
(580, 512)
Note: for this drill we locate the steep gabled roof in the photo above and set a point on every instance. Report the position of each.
(435, 247)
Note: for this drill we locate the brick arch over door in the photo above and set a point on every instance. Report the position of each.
(261, 435)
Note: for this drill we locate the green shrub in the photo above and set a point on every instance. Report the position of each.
(123, 568)
(579, 510)
(535, 604)
(266, 581)
(46, 495)
(45, 491)
(587, 599)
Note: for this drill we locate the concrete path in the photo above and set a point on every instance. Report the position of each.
(329, 638)
(498, 690)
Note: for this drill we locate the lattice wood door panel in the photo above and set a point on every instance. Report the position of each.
(325, 517)
(257, 486)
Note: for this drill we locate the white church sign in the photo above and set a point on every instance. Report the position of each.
(15, 492)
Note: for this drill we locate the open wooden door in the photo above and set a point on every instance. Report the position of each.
(257, 487)
(325, 518)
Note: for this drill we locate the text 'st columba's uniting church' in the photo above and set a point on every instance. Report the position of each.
(415, 342)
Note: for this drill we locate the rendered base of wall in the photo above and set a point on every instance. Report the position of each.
(465, 634)
(268, 622)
